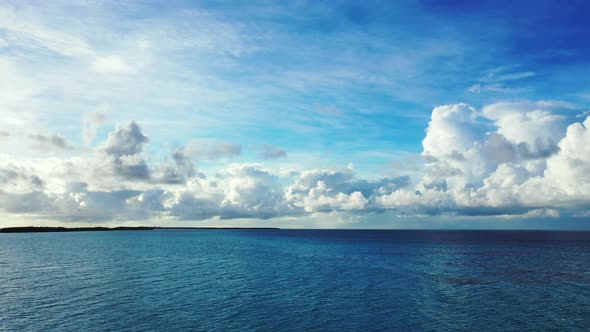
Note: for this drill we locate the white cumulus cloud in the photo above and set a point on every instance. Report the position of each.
(475, 163)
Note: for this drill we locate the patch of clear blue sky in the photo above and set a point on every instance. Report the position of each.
(348, 77)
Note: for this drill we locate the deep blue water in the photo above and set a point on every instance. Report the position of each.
(295, 280)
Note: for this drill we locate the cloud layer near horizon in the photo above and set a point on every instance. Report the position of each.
(507, 159)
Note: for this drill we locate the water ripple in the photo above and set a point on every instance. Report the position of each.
(294, 280)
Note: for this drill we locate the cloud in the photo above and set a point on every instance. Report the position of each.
(566, 178)
(532, 123)
(35, 202)
(48, 143)
(250, 190)
(337, 190)
(492, 87)
(507, 158)
(77, 203)
(476, 164)
(111, 64)
(542, 213)
(495, 81)
(211, 149)
(122, 151)
(178, 170)
(451, 152)
(18, 179)
(25, 29)
(498, 76)
(271, 152)
(464, 146)
(321, 199)
(239, 191)
(125, 141)
(91, 122)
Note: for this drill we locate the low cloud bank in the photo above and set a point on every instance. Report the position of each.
(507, 159)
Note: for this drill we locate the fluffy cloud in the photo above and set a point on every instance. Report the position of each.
(532, 124)
(336, 190)
(451, 150)
(320, 199)
(508, 157)
(123, 152)
(178, 170)
(476, 162)
(566, 179)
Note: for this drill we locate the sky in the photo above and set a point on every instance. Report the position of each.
(295, 114)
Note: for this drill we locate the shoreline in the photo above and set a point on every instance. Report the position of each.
(48, 229)
(56, 229)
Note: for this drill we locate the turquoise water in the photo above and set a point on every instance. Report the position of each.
(295, 280)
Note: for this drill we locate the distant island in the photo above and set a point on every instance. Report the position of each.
(44, 229)
(216, 228)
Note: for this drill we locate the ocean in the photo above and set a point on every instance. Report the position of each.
(295, 280)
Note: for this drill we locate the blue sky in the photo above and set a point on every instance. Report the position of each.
(407, 112)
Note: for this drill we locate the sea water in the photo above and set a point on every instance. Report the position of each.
(295, 280)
